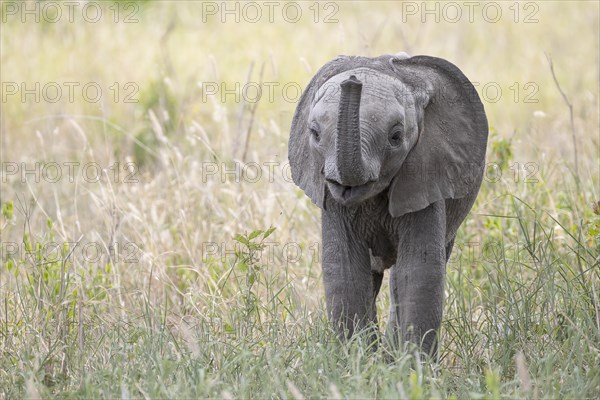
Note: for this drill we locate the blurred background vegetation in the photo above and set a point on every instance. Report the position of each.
(161, 311)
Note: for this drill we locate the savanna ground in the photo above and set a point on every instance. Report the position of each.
(137, 263)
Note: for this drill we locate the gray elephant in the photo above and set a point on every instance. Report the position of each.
(392, 149)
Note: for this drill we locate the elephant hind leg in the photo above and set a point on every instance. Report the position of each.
(449, 247)
(377, 281)
(377, 268)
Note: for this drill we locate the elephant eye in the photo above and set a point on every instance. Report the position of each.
(315, 131)
(395, 137)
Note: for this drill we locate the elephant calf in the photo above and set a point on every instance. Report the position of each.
(392, 150)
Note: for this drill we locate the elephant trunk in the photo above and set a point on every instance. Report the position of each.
(348, 147)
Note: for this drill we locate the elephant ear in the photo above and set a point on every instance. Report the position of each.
(306, 167)
(448, 159)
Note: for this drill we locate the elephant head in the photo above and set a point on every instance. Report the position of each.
(412, 126)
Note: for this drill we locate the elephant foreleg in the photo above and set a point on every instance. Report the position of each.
(347, 277)
(417, 279)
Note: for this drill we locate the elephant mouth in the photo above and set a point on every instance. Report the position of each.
(349, 195)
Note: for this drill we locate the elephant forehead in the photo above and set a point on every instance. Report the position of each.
(374, 115)
(376, 86)
(365, 75)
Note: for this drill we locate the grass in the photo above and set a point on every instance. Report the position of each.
(174, 275)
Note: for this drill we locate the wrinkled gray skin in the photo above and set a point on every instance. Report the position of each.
(392, 150)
